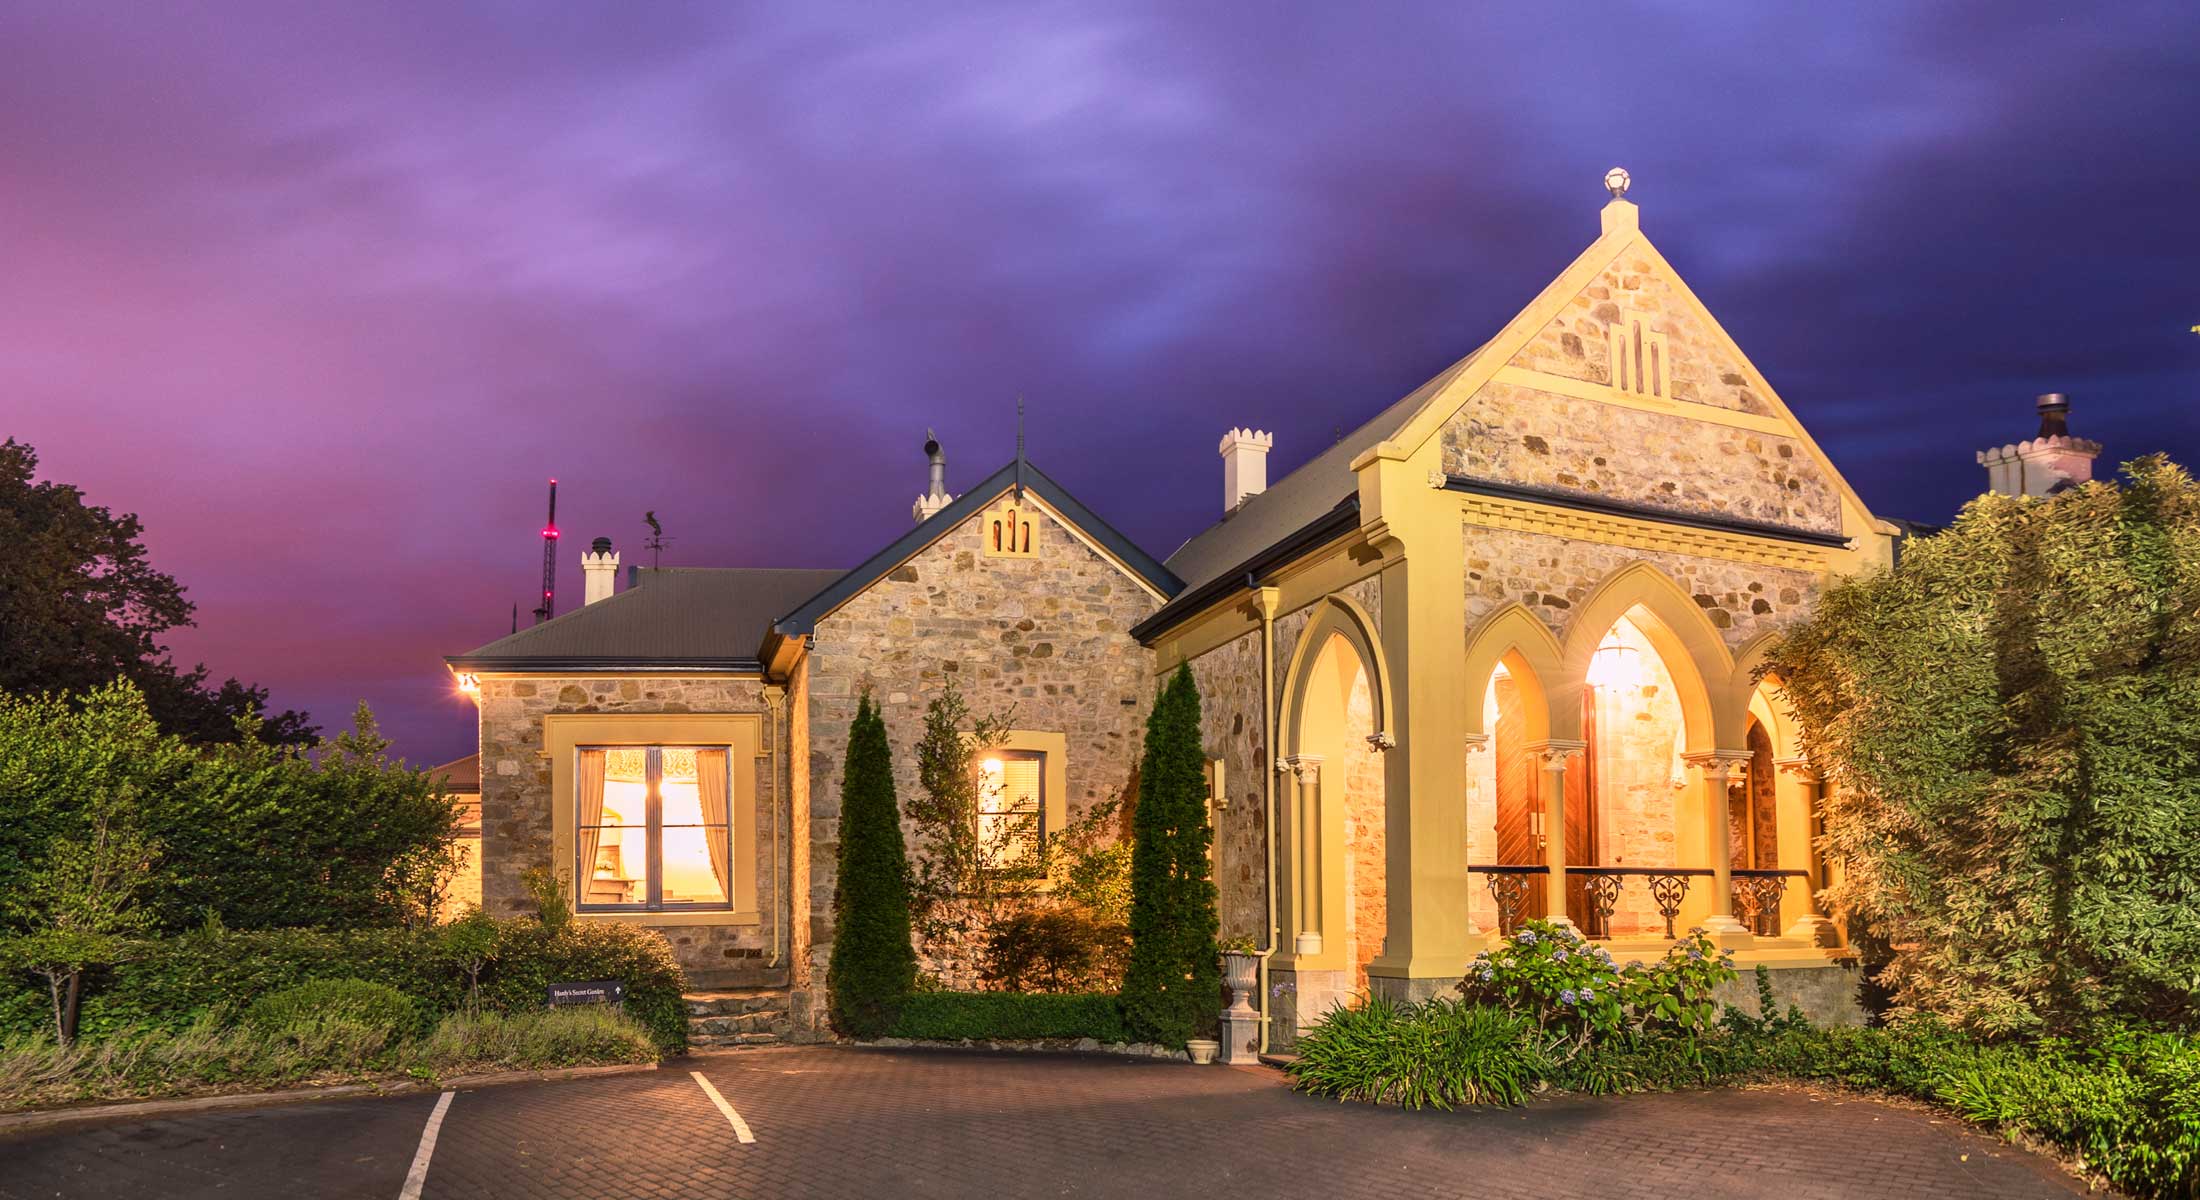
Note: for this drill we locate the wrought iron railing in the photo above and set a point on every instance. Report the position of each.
(1757, 895)
(1757, 891)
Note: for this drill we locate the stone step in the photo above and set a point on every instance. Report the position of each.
(734, 1002)
(756, 1022)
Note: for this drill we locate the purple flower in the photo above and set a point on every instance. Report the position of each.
(1566, 997)
(1526, 938)
(1560, 956)
(1588, 994)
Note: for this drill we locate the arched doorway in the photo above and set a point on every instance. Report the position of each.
(1335, 890)
(1517, 782)
(1753, 820)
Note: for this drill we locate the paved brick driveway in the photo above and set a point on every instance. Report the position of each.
(863, 1123)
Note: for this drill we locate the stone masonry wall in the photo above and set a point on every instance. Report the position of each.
(1047, 637)
(1575, 344)
(1229, 681)
(1550, 575)
(1539, 439)
(516, 829)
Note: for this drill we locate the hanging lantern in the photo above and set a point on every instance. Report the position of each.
(1615, 664)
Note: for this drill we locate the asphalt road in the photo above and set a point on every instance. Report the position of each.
(828, 1121)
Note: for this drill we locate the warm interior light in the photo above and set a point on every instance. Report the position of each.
(469, 683)
(1615, 664)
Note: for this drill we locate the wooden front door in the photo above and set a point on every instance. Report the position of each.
(1581, 820)
(1517, 791)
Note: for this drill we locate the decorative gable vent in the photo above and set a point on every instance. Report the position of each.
(1639, 357)
(1008, 531)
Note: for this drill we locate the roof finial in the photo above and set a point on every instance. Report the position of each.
(1019, 447)
(1616, 181)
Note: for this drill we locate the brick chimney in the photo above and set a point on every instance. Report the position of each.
(599, 571)
(2050, 462)
(1244, 466)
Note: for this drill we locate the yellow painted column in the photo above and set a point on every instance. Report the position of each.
(1802, 915)
(1417, 528)
(1717, 771)
(1556, 754)
(1306, 770)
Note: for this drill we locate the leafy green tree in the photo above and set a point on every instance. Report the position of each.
(79, 907)
(873, 963)
(1172, 989)
(956, 878)
(255, 836)
(2008, 719)
(81, 605)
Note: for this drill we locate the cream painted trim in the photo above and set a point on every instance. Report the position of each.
(564, 733)
(1056, 781)
(1490, 512)
(616, 674)
(1582, 389)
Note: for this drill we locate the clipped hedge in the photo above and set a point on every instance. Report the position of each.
(167, 983)
(1010, 1016)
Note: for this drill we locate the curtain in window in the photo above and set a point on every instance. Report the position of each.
(711, 785)
(588, 787)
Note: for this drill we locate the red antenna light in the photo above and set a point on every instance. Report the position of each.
(549, 559)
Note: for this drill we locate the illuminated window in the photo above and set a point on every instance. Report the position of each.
(1012, 808)
(654, 829)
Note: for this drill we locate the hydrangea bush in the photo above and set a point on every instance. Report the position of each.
(1572, 987)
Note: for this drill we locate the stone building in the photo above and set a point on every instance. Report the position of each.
(1494, 654)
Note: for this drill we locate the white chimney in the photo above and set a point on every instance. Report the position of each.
(1244, 466)
(599, 572)
(2048, 463)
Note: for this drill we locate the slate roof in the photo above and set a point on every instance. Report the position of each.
(685, 616)
(1300, 498)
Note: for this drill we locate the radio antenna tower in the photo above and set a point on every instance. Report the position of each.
(549, 560)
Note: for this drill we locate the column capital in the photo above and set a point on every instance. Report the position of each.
(1801, 768)
(1381, 740)
(1557, 752)
(775, 697)
(1306, 766)
(1476, 741)
(1718, 765)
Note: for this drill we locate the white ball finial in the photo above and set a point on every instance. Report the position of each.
(1616, 181)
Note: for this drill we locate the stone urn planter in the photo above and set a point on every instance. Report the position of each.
(1241, 1021)
(1241, 972)
(1203, 1050)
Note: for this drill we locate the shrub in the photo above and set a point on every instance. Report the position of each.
(873, 965)
(1440, 1053)
(372, 1005)
(2008, 717)
(1549, 973)
(1010, 1016)
(526, 1041)
(167, 983)
(258, 836)
(1059, 948)
(1173, 985)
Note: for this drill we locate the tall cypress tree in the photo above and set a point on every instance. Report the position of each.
(873, 965)
(1172, 988)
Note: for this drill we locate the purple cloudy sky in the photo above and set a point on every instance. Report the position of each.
(326, 293)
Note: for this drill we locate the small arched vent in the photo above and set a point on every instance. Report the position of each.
(1009, 531)
(1640, 361)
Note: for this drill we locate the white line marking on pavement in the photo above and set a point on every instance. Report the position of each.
(740, 1127)
(419, 1173)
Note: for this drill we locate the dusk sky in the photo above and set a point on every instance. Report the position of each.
(325, 294)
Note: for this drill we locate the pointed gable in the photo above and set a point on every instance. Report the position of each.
(1616, 385)
(990, 522)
